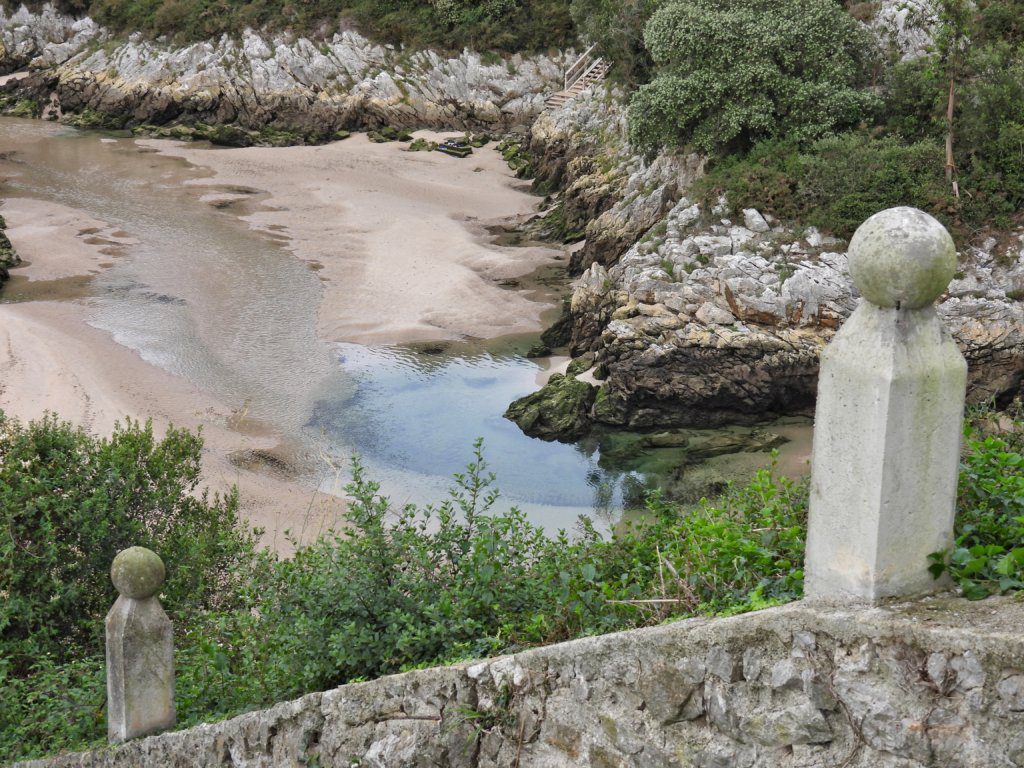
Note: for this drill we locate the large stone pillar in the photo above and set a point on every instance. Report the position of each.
(140, 649)
(888, 420)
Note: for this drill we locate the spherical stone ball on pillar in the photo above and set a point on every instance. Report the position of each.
(888, 421)
(902, 258)
(140, 649)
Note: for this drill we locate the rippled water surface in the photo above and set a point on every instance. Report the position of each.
(204, 297)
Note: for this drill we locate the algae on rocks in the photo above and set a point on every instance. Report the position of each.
(8, 257)
(560, 410)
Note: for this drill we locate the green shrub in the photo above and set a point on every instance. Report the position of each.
(914, 100)
(989, 553)
(999, 20)
(58, 705)
(836, 183)
(69, 502)
(617, 27)
(503, 25)
(980, 51)
(734, 72)
(402, 588)
(989, 136)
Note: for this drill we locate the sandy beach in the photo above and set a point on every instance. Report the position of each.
(398, 240)
(399, 237)
(52, 360)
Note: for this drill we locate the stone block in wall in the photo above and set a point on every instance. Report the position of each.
(937, 683)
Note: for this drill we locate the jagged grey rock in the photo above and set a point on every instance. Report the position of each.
(283, 82)
(672, 361)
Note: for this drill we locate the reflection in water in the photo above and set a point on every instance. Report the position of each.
(417, 413)
(231, 310)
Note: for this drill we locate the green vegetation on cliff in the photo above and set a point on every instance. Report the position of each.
(732, 72)
(806, 116)
(483, 25)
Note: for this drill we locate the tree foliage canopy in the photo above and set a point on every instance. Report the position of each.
(732, 72)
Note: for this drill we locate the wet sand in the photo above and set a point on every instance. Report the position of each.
(53, 361)
(398, 239)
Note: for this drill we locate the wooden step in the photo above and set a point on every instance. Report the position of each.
(594, 75)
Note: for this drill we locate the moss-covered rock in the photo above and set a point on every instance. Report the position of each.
(388, 133)
(558, 411)
(422, 145)
(14, 105)
(559, 333)
(580, 365)
(739, 442)
(8, 257)
(516, 154)
(89, 119)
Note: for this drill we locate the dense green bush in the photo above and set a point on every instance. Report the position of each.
(502, 25)
(734, 72)
(988, 124)
(56, 705)
(989, 552)
(835, 183)
(70, 502)
(401, 588)
(989, 135)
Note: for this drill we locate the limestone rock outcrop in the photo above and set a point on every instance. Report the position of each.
(312, 88)
(695, 319)
(8, 256)
(715, 323)
(609, 195)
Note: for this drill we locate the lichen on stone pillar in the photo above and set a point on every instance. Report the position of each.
(140, 649)
(888, 421)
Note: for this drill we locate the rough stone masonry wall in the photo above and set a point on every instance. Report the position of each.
(939, 682)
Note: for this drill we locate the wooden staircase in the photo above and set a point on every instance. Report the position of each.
(588, 70)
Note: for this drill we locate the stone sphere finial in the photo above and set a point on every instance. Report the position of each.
(137, 572)
(902, 257)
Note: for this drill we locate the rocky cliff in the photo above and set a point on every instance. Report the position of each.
(309, 88)
(711, 320)
(690, 316)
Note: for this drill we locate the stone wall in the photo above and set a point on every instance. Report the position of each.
(938, 682)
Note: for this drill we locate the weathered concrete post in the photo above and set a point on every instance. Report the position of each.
(140, 649)
(888, 421)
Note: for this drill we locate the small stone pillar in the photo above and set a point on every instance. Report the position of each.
(140, 649)
(888, 422)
